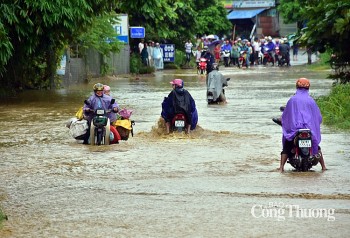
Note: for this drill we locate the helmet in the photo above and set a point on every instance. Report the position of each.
(106, 88)
(178, 82)
(98, 87)
(216, 66)
(303, 83)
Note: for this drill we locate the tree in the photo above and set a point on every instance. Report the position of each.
(327, 28)
(176, 20)
(34, 32)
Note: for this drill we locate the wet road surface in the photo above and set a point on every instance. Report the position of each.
(219, 181)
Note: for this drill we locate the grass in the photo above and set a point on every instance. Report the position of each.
(3, 217)
(335, 107)
(322, 63)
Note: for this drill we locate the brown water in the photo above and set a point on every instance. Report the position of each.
(219, 181)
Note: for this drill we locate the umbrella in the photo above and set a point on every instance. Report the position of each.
(211, 37)
(215, 42)
(212, 45)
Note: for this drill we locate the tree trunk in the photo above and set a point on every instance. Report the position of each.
(309, 53)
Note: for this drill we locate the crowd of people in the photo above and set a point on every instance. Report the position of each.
(228, 52)
(151, 54)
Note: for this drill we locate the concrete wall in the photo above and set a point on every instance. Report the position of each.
(79, 69)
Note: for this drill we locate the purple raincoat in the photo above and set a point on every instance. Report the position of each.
(104, 102)
(302, 112)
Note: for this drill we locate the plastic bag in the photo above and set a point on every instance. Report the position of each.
(79, 115)
(125, 113)
(78, 129)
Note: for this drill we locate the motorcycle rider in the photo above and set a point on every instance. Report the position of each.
(209, 57)
(284, 49)
(216, 82)
(226, 48)
(179, 100)
(270, 48)
(96, 101)
(301, 112)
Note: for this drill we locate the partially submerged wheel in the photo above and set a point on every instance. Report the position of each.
(108, 132)
(92, 133)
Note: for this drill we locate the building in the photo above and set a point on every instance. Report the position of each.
(257, 18)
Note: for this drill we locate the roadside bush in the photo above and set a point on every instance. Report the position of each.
(171, 66)
(135, 63)
(146, 69)
(335, 107)
(2, 217)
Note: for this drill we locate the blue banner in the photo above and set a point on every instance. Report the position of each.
(168, 52)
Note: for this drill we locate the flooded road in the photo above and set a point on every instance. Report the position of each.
(219, 181)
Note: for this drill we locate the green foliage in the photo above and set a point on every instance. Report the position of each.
(171, 66)
(100, 36)
(135, 63)
(335, 107)
(322, 63)
(146, 69)
(176, 21)
(34, 32)
(3, 217)
(327, 28)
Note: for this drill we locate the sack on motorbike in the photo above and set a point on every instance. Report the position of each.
(79, 115)
(78, 129)
(125, 113)
(124, 128)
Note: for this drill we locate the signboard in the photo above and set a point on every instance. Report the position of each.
(122, 28)
(252, 4)
(168, 52)
(137, 32)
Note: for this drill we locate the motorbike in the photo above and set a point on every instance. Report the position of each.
(100, 128)
(179, 122)
(242, 59)
(300, 157)
(210, 95)
(267, 58)
(280, 58)
(226, 55)
(202, 66)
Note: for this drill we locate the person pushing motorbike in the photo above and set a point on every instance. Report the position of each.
(99, 100)
(301, 112)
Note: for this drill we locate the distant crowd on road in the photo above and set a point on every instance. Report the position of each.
(243, 52)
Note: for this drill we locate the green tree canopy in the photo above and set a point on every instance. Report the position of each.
(327, 26)
(34, 32)
(177, 20)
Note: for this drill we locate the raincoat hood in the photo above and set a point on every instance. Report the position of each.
(216, 81)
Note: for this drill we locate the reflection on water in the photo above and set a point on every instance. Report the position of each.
(203, 184)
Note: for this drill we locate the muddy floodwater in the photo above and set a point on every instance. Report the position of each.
(219, 181)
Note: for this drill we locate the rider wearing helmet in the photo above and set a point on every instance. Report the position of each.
(209, 57)
(99, 100)
(301, 112)
(179, 100)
